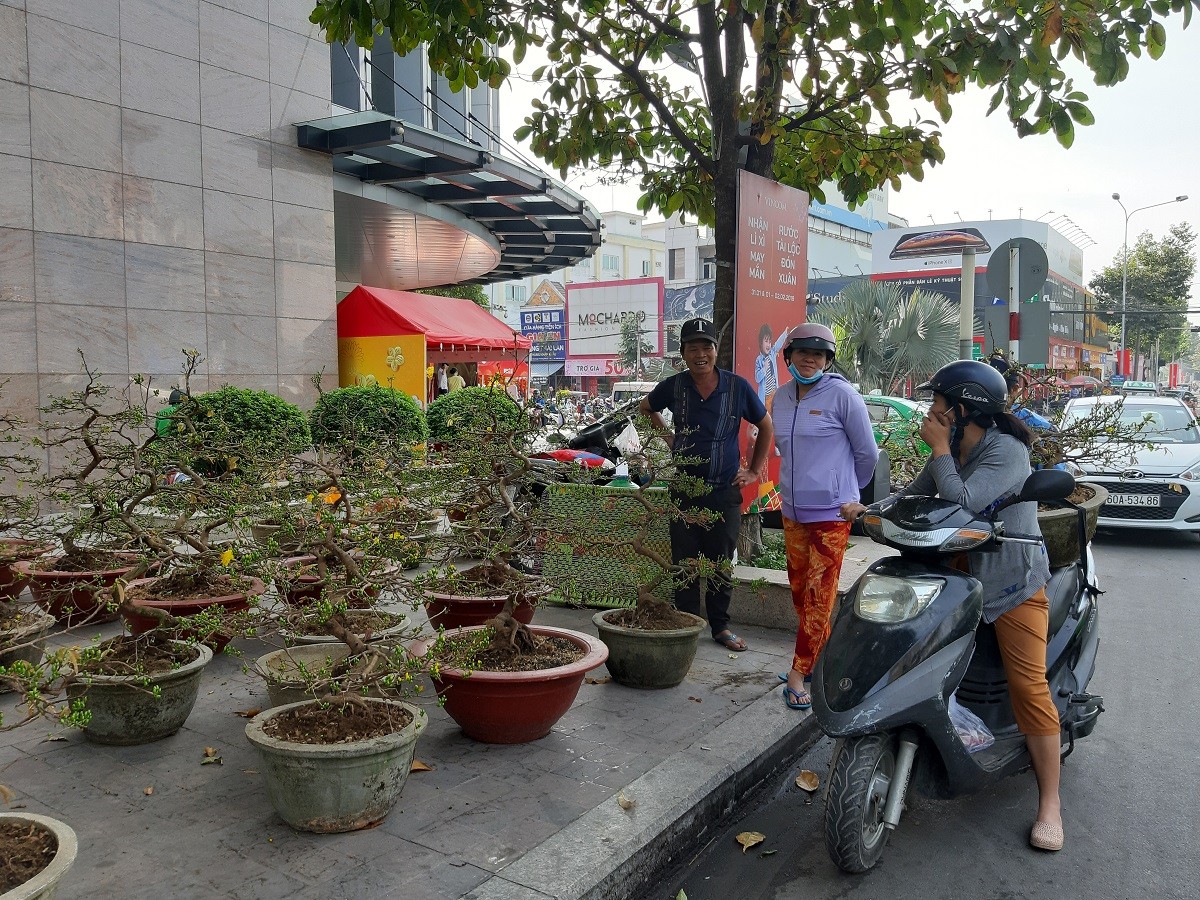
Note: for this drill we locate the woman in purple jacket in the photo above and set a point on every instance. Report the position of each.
(828, 455)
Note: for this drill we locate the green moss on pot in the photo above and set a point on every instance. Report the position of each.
(472, 410)
(365, 416)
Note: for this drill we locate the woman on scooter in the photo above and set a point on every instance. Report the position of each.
(980, 456)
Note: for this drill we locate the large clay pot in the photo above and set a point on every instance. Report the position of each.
(515, 707)
(462, 611)
(44, 884)
(648, 659)
(335, 787)
(74, 598)
(15, 550)
(27, 641)
(1060, 527)
(234, 603)
(125, 709)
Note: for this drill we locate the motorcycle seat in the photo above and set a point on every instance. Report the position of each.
(1063, 590)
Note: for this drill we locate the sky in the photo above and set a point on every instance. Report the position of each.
(1144, 146)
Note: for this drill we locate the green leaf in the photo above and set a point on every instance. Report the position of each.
(1156, 40)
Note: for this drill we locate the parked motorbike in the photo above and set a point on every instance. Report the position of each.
(909, 638)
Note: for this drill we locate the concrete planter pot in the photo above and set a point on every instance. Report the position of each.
(649, 659)
(44, 884)
(282, 670)
(401, 625)
(233, 603)
(515, 707)
(339, 787)
(124, 711)
(26, 642)
(1060, 527)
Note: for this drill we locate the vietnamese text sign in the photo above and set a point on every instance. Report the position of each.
(547, 329)
(596, 312)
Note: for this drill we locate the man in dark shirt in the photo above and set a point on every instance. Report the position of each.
(708, 405)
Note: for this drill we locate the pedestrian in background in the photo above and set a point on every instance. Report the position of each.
(455, 382)
(443, 385)
(708, 406)
(828, 456)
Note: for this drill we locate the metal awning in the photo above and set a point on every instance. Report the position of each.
(539, 224)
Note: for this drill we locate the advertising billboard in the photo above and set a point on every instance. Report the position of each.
(595, 313)
(771, 291)
(546, 327)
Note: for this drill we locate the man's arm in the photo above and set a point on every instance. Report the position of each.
(645, 408)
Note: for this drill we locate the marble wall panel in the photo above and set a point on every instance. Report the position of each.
(304, 290)
(74, 61)
(95, 15)
(234, 102)
(170, 25)
(157, 338)
(236, 163)
(242, 344)
(19, 394)
(298, 62)
(16, 266)
(293, 15)
(289, 107)
(163, 277)
(160, 148)
(159, 277)
(14, 50)
(72, 200)
(303, 234)
(16, 199)
(236, 224)
(18, 324)
(299, 388)
(14, 117)
(301, 177)
(233, 41)
(159, 212)
(65, 329)
(239, 285)
(307, 345)
(161, 83)
(74, 130)
(254, 8)
(79, 270)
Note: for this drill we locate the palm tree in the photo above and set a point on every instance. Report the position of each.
(885, 335)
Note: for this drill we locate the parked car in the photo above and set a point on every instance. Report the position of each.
(1139, 388)
(1159, 487)
(895, 419)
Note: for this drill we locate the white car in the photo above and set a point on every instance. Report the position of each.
(1157, 486)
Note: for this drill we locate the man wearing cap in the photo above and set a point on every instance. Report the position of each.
(708, 406)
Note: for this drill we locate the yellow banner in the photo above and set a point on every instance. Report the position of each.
(396, 361)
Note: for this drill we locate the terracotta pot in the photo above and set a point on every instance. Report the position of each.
(462, 611)
(27, 641)
(17, 549)
(44, 884)
(234, 603)
(515, 707)
(648, 659)
(74, 598)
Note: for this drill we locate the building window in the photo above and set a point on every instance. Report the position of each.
(645, 267)
(709, 268)
(675, 264)
(345, 63)
(515, 292)
(610, 263)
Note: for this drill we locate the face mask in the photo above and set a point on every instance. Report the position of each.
(801, 379)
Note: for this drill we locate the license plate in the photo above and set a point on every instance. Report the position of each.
(1134, 500)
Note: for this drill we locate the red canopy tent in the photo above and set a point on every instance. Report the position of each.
(392, 337)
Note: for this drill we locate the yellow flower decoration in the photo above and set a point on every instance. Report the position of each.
(332, 496)
(395, 358)
(227, 557)
(367, 381)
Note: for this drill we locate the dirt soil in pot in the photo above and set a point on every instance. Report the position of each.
(550, 653)
(319, 724)
(25, 849)
(147, 654)
(1081, 493)
(13, 617)
(362, 622)
(655, 617)
(189, 586)
(83, 561)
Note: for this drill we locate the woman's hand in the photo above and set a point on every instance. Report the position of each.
(935, 431)
(851, 511)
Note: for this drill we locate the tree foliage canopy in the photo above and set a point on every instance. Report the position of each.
(472, 292)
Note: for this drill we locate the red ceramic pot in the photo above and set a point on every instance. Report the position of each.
(457, 611)
(516, 707)
(234, 603)
(17, 550)
(74, 598)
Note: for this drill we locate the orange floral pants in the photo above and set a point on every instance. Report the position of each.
(814, 562)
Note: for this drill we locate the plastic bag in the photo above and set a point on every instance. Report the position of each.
(971, 730)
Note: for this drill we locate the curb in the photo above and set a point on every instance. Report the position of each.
(610, 852)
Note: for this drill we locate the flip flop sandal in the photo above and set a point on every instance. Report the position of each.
(796, 699)
(728, 641)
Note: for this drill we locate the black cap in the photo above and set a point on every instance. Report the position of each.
(697, 329)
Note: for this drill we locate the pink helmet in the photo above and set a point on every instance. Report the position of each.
(811, 336)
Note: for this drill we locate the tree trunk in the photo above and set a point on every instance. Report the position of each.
(750, 540)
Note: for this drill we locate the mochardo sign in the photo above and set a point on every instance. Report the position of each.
(597, 311)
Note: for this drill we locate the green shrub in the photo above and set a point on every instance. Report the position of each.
(472, 410)
(224, 429)
(363, 416)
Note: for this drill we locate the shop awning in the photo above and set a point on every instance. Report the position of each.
(450, 324)
(540, 371)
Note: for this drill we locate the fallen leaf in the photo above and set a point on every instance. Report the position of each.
(767, 853)
(808, 781)
(625, 802)
(249, 771)
(52, 738)
(6, 794)
(210, 751)
(248, 713)
(148, 791)
(211, 761)
(605, 680)
(681, 895)
(750, 839)
(418, 766)
(733, 656)
(695, 699)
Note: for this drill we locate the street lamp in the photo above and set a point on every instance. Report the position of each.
(1125, 260)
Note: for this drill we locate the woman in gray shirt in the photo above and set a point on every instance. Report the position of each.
(979, 457)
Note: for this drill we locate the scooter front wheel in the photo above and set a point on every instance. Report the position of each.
(861, 774)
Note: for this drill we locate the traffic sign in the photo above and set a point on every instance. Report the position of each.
(1032, 268)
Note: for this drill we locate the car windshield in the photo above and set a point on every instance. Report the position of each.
(1160, 424)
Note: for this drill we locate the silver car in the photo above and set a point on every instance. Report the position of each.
(1155, 486)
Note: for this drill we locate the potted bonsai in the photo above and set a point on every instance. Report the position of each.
(37, 852)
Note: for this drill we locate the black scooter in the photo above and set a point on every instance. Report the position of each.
(908, 636)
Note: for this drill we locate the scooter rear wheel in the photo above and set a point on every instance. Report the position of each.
(861, 774)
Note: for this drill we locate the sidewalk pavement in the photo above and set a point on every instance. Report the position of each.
(525, 822)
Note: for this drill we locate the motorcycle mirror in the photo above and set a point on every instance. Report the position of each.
(1047, 485)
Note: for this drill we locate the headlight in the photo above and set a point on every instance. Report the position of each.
(886, 599)
(1191, 474)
